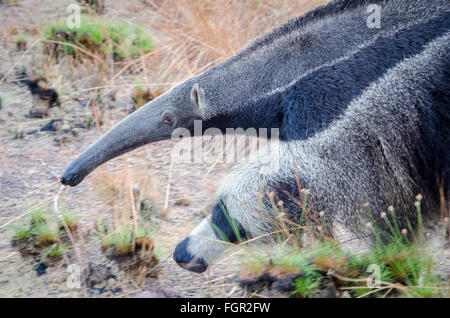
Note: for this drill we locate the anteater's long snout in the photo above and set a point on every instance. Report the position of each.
(71, 178)
(137, 129)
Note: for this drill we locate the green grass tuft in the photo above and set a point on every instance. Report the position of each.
(122, 39)
(121, 240)
(307, 285)
(406, 266)
(20, 232)
(70, 219)
(56, 251)
(44, 229)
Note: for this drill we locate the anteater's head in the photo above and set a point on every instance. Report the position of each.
(157, 120)
(211, 238)
(201, 248)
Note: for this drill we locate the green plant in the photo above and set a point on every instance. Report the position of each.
(42, 227)
(99, 37)
(408, 264)
(121, 240)
(309, 278)
(159, 252)
(46, 232)
(89, 121)
(21, 41)
(43, 230)
(327, 256)
(70, 219)
(20, 232)
(56, 251)
(307, 284)
(143, 232)
(401, 260)
(37, 216)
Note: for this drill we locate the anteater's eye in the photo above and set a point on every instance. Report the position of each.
(168, 119)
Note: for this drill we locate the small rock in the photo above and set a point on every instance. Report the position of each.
(75, 132)
(182, 202)
(111, 282)
(52, 125)
(66, 128)
(80, 126)
(99, 286)
(346, 294)
(38, 112)
(40, 269)
(114, 270)
(41, 91)
(63, 139)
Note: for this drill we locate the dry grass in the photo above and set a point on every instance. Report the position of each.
(126, 191)
(197, 34)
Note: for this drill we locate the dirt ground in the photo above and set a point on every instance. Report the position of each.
(31, 165)
(30, 172)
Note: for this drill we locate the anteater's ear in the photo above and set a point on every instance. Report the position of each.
(198, 97)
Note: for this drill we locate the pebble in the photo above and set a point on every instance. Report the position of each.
(111, 282)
